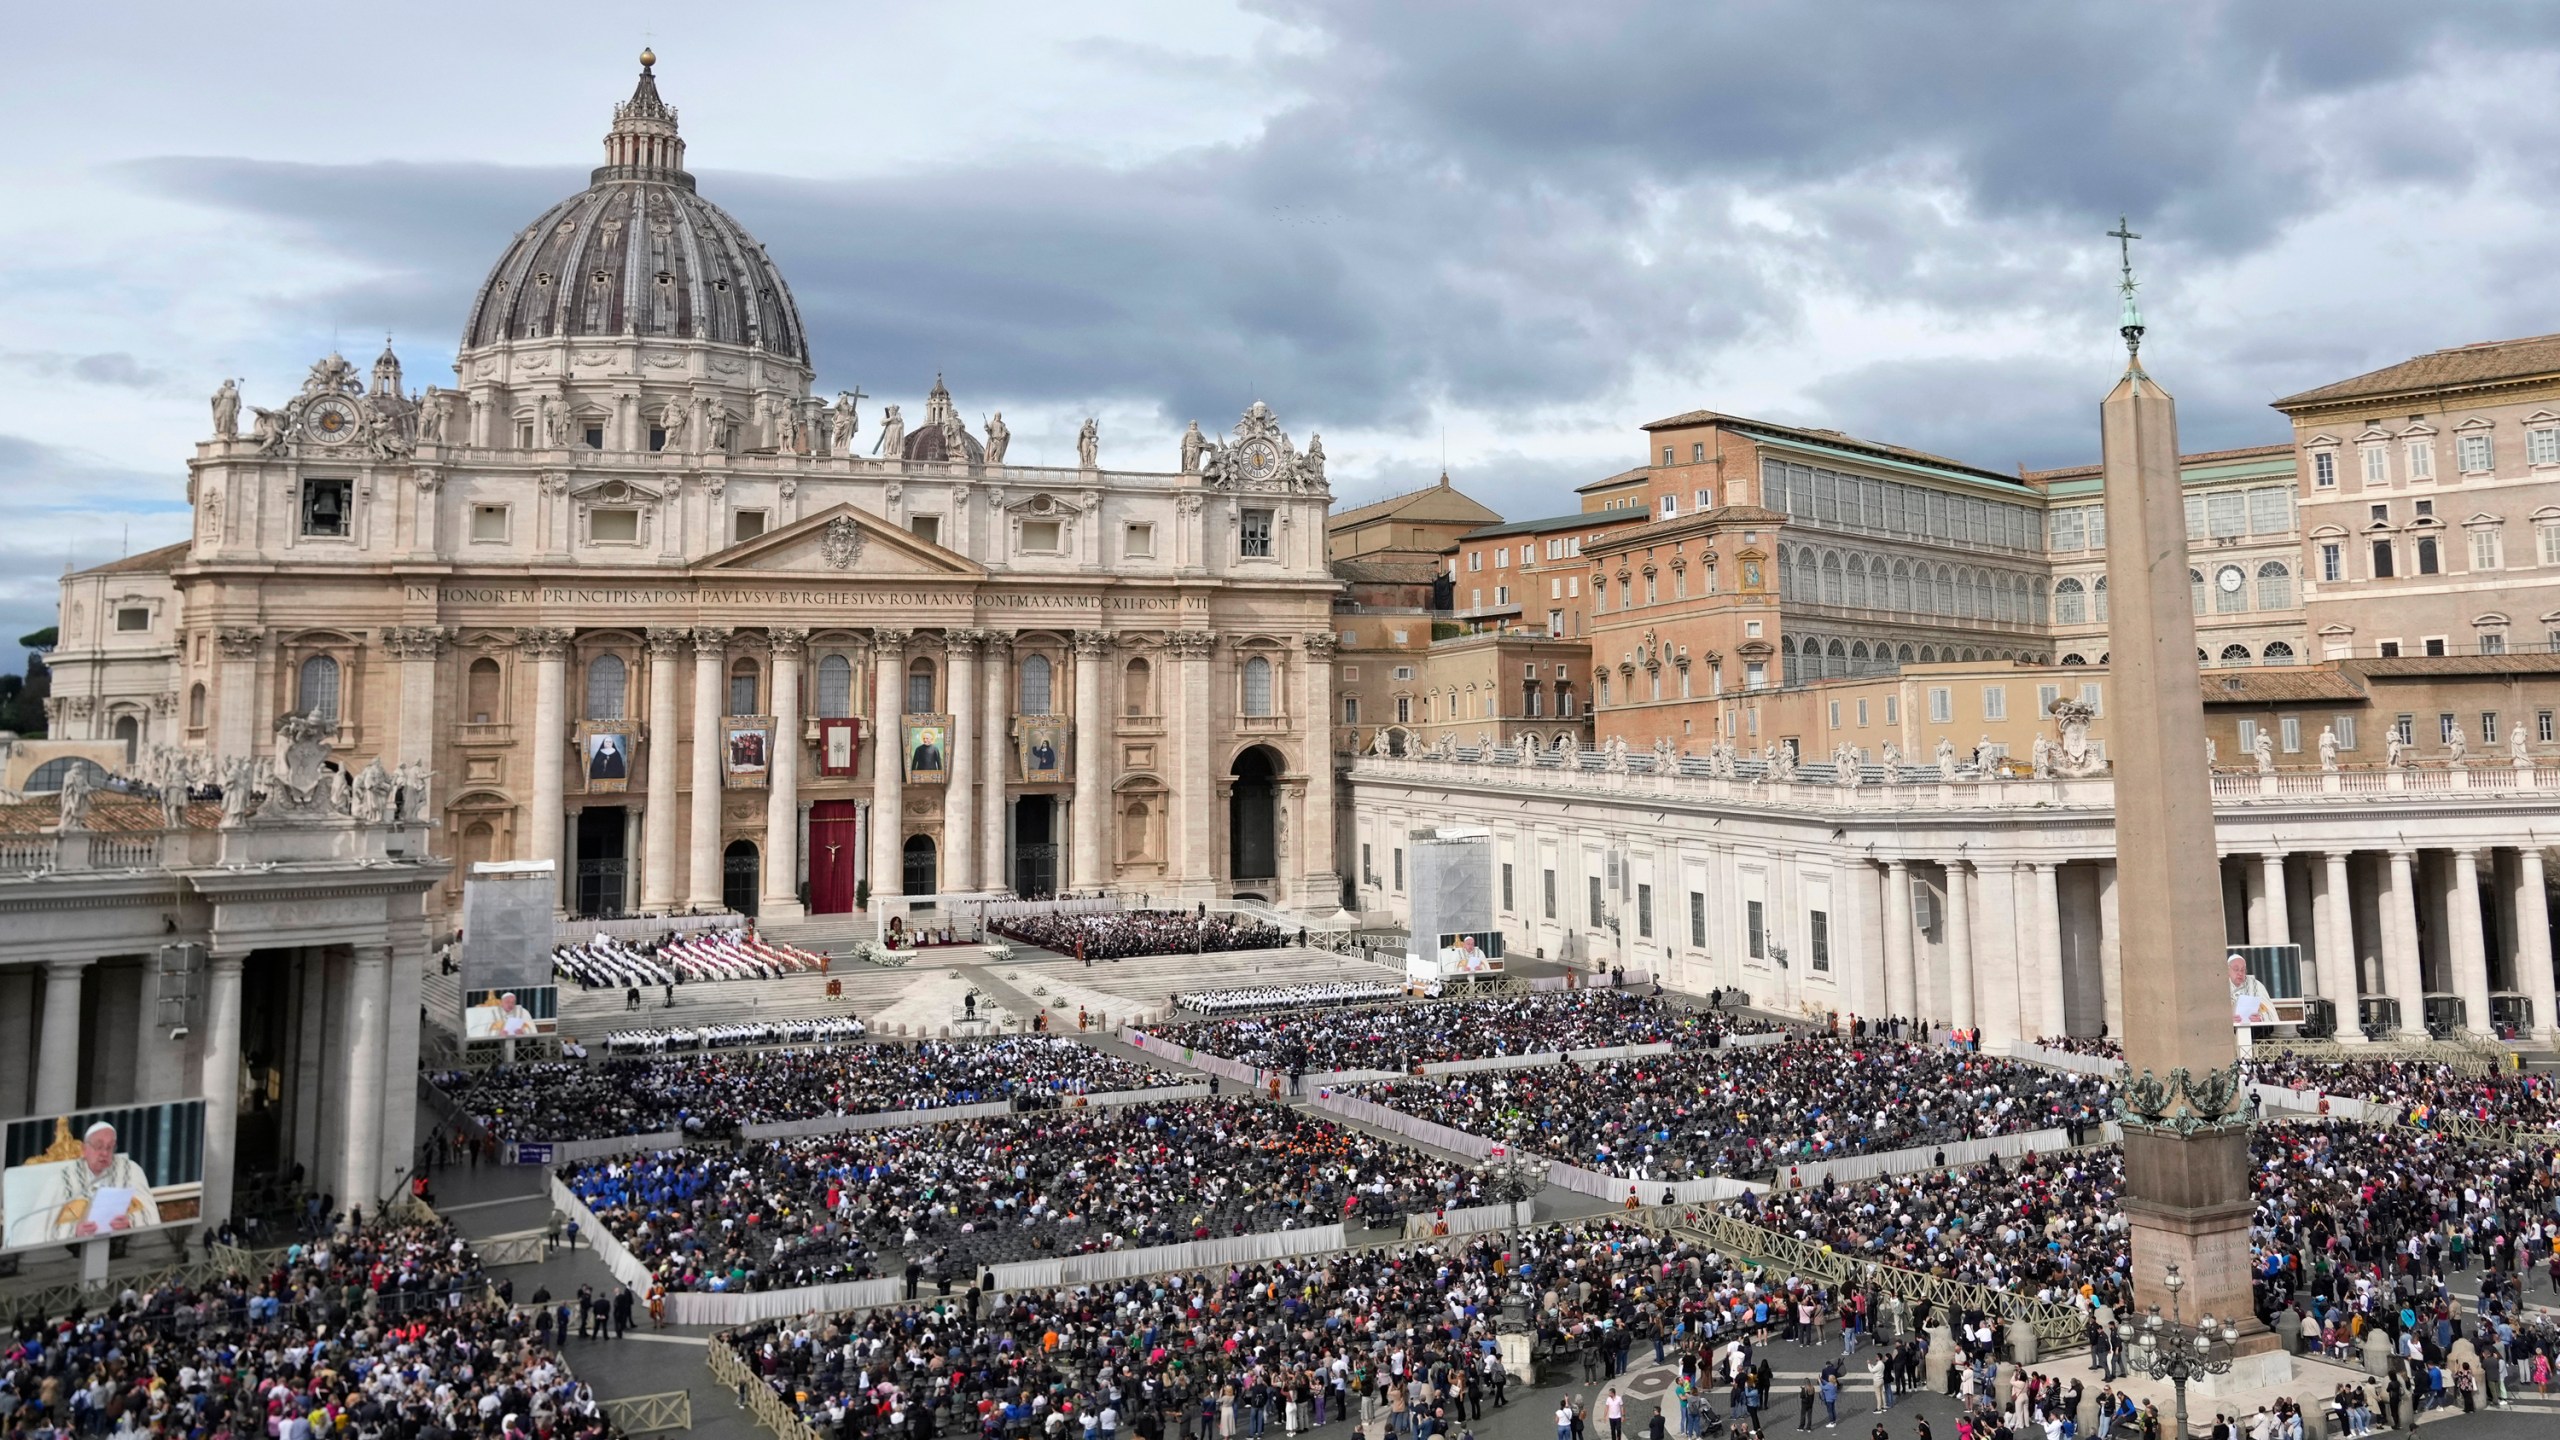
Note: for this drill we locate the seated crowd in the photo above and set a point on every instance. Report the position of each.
(803, 1030)
(384, 1330)
(1746, 1112)
(2102, 1047)
(824, 1208)
(1287, 997)
(687, 958)
(713, 1094)
(1401, 1037)
(2421, 1088)
(1121, 934)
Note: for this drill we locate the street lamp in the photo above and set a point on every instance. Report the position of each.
(2175, 1351)
(1511, 1175)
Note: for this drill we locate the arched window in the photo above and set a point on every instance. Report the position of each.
(480, 691)
(128, 728)
(2235, 655)
(835, 687)
(1133, 831)
(2075, 658)
(2427, 561)
(317, 694)
(1928, 654)
(1901, 585)
(2070, 602)
(1902, 655)
(1786, 669)
(1037, 675)
(2275, 586)
(920, 686)
(47, 778)
(1786, 575)
(606, 679)
(195, 706)
(1600, 682)
(743, 688)
(1138, 689)
(2100, 590)
(2279, 653)
(1831, 579)
(2230, 590)
(1257, 686)
(1946, 591)
(2195, 589)
(1856, 591)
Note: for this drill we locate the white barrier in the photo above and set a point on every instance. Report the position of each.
(1471, 1220)
(1926, 1157)
(646, 927)
(2314, 1102)
(1106, 1265)
(1422, 1132)
(565, 1152)
(1587, 980)
(2070, 1060)
(1614, 1188)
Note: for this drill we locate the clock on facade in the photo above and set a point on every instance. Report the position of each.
(2229, 580)
(330, 421)
(1261, 459)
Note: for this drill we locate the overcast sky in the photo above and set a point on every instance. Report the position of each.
(1512, 229)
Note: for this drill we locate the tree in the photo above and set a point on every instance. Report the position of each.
(22, 697)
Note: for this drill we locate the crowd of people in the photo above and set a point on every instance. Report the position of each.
(1753, 1111)
(1400, 1037)
(2421, 1089)
(378, 1329)
(711, 1094)
(1124, 934)
(680, 958)
(960, 1195)
(1312, 996)
(2101, 1047)
(803, 1030)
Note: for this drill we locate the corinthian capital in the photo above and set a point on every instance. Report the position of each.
(238, 642)
(1092, 642)
(668, 641)
(1323, 646)
(890, 640)
(712, 640)
(542, 642)
(786, 643)
(963, 644)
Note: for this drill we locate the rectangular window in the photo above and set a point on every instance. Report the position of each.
(1255, 537)
(1759, 936)
(1547, 891)
(1666, 454)
(595, 437)
(1506, 887)
(2484, 549)
(1698, 453)
(1698, 904)
(1475, 560)
(2381, 559)
(2388, 649)
(657, 438)
(2546, 544)
(2435, 645)
(1502, 558)
(1670, 506)
(1399, 864)
(1862, 714)
(2488, 728)
(1404, 709)
(2444, 727)
(1835, 714)
(1501, 595)
(130, 618)
(2248, 736)
(2270, 511)
(1995, 702)
(1644, 911)
(1706, 499)
(2474, 452)
(2407, 726)
(2324, 470)
(327, 506)
(489, 524)
(1942, 705)
(2226, 514)
(1820, 926)
(2090, 695)
(1368, 866)
(1350, 709)
(2542, 726)
(746, 525)
(2344, 727)
(2377, 466)
(2333, 562)
(2422, 459)
(1048, 537)
(2542, 446)
(2289, 734)
(1404, 672)
(1892, 705)
(2195, 517)
(1599, 916)
(742, 693)
(615, 526)
(2097, 527)
(1140, 543)
(2067, 530)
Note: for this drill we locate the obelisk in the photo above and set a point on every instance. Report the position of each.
(2186, 1143)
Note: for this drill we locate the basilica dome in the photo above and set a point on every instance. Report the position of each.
(638, 253)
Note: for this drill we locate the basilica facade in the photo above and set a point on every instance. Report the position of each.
(642, 602)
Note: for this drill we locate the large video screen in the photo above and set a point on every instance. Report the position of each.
(65, 1179)
(510, 1014)
(2266, 984)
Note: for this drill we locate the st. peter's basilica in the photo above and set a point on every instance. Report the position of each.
(632, 597)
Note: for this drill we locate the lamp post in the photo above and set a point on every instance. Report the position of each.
(1512, 1175)
(2175, 1351)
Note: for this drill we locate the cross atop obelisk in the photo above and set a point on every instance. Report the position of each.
(2130, 326)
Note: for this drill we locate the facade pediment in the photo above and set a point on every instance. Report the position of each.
(843, 540)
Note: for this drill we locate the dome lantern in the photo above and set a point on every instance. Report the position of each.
(643, 143)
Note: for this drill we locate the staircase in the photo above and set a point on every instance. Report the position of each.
(822, 934)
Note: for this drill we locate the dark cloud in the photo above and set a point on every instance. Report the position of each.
(113, 368)
(62, 509)
(1518, 209)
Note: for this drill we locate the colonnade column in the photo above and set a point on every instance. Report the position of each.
(1088, 870)
(1901, 988)
(959, 791)
(1321, 866)
(1959, 947)
(1195, 839)
(2275, 922)
(220, 1083)
(360, 1171)
(548, 650)
(2046, 893)
(782, 798)
(888, 766)
(703, 888)
(1997, 963)
(2400, 970)
(995, 717)
(2110, 947)
(2470, 952)
(2339, 983)
(2533, 938)
(658, 830)
(58, 1047)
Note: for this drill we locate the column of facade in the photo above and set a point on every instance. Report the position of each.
(547, 649)
(1853, 889)
(1901, 978)
(1322, 867)
(1088, 868)
(959, 792)
(2470, 949)
(1195, 837)
(782, 800)
(1997, 968)
(220, 1083)
(703, 888)
(2400, 968)
(2044, 950)
(888, 769)
(1960, 1007)
(239, 709)
(2533, 939)
(2336, 934)
(995, 733)
(658, 832)
(2270, 923)
(58, 1047)
(419, 649)
(361, 1171)
(2110, 948)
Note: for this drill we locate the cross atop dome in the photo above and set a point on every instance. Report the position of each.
(643, 140)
